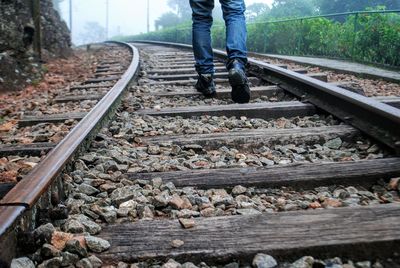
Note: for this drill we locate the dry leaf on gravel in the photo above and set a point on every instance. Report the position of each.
(7, 126)
(8, 176)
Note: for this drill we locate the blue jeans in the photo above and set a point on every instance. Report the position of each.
(236, 33)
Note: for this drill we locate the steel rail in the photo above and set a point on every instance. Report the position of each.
(29, 190)
(376, 119)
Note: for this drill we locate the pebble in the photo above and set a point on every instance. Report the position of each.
(304, 262)
(23, 262)
(96, 262)
(188, 265)
(87, 189)
(331, 203)
(237, 190)
(69, 259)
(334, 144)
(74, 226)
(177, 243)
(84, 263)
(187, 223)
(74, 246)
(59, 239)
(97, 244)
(49, 251)
(364, 264)
(176, 202)
(54, 262)
(264, 261)
(44, 233)
(248, 211)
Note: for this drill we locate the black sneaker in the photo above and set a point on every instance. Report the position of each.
(239, 83)
(205, 84)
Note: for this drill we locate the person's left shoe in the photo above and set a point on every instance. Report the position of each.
(205, 84)
(240, 85)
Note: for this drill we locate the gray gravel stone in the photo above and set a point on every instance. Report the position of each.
(69, 259)
(73, 246)
(334, 144)
(97, 244)
(247, 211)
(96, 262)
(237, 190)
(84, 263)
(87, 189)
(23, 262)
(74, 226)
(188, 265)
(171, 264)
(304, 262)
(264, 261)
(124, 194)
(49, 251)
(51, 263)
(232, 265)
(44, 232)
(363, 264)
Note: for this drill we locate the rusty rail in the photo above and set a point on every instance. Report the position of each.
(28, 191)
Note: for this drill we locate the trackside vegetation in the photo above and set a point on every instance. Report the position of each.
(370, 36)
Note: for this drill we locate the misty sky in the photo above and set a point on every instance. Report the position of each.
(126, 16)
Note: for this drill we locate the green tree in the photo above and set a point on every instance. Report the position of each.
(253, 11)
(166, 20)
(339, 6)
(292, 8)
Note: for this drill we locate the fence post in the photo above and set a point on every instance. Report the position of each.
(300, 40)
(355, 29)
(265, 32)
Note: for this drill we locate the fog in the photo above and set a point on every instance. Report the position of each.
(126, 17)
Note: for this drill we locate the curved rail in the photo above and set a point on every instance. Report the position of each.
(374, 118)
(28, 191)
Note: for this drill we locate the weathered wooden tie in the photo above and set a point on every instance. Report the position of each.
(52, 118)
(225, 93)
(175, 77)
(365, 232)
(296, 176)
(248, 140)
(265, 110)
(91, 86)
(63, 99)
(253, 81)
(35, 149)
(101, 80)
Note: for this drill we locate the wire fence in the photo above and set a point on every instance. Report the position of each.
(364, 36)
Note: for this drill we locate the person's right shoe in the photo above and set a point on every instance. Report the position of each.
(205, 84)
(239, 83)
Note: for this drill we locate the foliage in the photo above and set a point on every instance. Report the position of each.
(292, 8)
(364, 37)
(166, 20)
(340, 6)
(255, 10)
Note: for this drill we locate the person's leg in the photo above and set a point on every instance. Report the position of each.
(202, 22)
(236, 33)
(236, 37)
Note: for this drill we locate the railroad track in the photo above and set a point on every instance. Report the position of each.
(174, 175)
